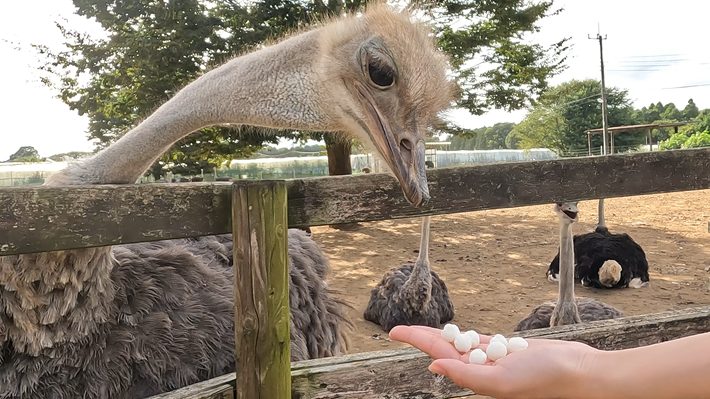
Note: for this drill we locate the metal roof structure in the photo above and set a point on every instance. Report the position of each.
(631, 128)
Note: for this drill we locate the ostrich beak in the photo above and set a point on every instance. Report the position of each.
(403, 151)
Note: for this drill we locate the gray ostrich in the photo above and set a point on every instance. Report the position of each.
(411, 294)
(136, 320)
(567, 310)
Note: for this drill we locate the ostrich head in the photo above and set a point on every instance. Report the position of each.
(610, 273)
(377, 76)
(390, 81)
(567, 212)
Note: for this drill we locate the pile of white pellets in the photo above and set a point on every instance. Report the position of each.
(498, 348)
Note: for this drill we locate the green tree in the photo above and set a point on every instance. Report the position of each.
(681, 140)
(647, 115)
(698, 140)
(25, 154)
(690, 111)
(485, 138)
(563, 113)
(512, 140)
(542, 128)
(494, 37)
(671, 113)
(493, 138)
(675, 142)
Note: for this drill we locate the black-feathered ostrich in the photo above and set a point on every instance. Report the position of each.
(131, 321)
(411, 294)
(567, 310)
(606, 260)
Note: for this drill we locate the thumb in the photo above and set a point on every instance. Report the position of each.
(477, 378)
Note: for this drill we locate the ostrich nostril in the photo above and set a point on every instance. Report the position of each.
(405, 144)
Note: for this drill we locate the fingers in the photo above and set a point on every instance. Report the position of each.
(427, 328)
(426, 341)
(484, 338)
(478, 378)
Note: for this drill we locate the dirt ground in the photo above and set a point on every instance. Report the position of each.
(494, 262)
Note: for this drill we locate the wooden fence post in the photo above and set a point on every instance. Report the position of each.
(261, 282)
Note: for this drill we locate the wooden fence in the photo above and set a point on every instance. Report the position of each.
(259, 212)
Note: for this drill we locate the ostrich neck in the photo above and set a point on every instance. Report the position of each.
(566, 285)
(417, 289)
(275, 87)
(420, 272)
(601, 213)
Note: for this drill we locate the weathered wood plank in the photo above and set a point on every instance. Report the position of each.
(402, 373)
(463, 189)
(50, 218)
(36, 219)
(216, 388)
(261, 301)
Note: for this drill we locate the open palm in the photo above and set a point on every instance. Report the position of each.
(547, 369)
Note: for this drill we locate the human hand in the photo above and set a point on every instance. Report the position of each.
(546, 369)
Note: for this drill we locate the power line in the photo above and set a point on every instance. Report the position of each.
(686, 87)
(663, 60)
(633, 70)
(578, 100)
(642, 65)
(649, 56)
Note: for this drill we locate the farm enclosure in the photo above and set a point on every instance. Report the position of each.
(494, 261)
(114, 214)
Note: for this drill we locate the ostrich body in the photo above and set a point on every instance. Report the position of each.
(606, 260)
(567, 310)
(135, 320)
(411, 294)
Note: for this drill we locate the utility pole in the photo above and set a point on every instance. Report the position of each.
(605, 122)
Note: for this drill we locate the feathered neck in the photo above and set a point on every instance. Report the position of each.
(275, 87)
(566, 284)
(418, 286)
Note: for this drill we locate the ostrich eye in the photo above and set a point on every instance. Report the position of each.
(380, 73)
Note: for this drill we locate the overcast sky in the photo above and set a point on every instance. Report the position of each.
(670, 36)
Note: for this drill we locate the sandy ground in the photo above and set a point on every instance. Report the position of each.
(494, 262)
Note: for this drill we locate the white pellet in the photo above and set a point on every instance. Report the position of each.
(462, 343)
(475, 339)
(517, 344)
(500, 338)
(450, 332)
(477, 356)
(496, 350)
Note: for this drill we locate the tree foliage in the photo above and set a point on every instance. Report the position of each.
(495, 66)
(701, 123)
(486, 138)
(690, 111)
(25, 154)
(682, 140)
(562, 115)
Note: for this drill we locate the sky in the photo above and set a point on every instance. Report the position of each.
(665, 38)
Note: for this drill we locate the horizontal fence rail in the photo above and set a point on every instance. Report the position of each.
(403, 373)
(57, 218)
